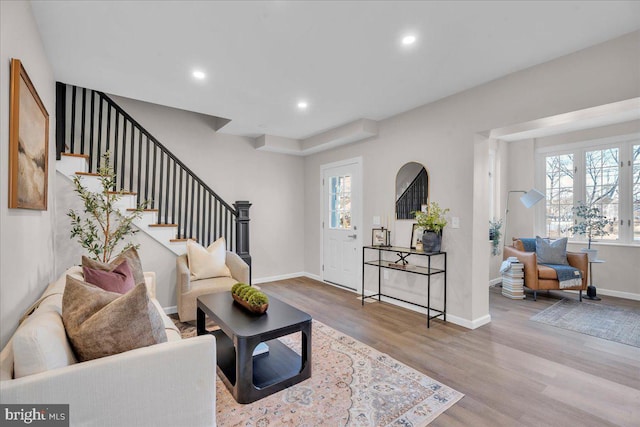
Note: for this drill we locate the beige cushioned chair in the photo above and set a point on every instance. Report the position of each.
(188, 290)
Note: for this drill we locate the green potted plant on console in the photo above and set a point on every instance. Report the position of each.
(432, 222)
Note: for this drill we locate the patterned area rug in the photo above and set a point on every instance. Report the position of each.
(351, 384)
(603, 321)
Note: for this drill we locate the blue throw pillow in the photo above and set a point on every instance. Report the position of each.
(551, 252)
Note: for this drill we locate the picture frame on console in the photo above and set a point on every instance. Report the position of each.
(28, 143)
(379, 237)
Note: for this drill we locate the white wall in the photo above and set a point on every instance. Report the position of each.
(441, 136)
(232, 167)
(26, 242)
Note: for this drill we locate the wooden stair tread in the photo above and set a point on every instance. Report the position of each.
(124, 193)
(182, 240)
(87, 174)
(143, 210)
(86, 156)
(163, 225)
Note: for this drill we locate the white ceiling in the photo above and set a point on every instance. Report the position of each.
(344, 58)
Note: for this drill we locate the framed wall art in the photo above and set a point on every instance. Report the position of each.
(28, 143)
(416, 235)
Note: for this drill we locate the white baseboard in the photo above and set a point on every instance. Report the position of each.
(170, 310)
(313, 276)
(278, 277)
(618, 294)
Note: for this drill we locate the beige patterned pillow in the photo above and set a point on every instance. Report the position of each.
(101, 323)
(130, 255)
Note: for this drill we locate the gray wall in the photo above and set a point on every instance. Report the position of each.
(442, 135)
(26, 236)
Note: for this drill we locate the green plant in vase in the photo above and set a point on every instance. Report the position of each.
(432, 222)
(590, 223)
(495, 232)
(100, 228)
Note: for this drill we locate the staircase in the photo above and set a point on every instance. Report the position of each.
(182, 206)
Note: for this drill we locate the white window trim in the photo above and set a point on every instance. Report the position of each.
(625, 145)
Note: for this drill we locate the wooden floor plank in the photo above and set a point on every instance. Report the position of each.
(513, 371)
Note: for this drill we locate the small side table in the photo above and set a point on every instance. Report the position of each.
(591, 290)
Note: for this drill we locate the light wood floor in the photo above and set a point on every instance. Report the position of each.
(512, 371)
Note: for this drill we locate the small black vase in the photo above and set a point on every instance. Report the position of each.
(431, 241)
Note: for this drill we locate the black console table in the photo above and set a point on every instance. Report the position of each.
(403, 254)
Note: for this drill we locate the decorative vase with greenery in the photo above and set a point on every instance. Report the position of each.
(432, 222)
(495, 233)
(591, 223)
(101, 227)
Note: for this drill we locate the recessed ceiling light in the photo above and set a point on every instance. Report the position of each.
(200, 75)
(408, 40)
(302, 105)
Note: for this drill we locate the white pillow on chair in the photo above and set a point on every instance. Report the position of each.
(209, 262)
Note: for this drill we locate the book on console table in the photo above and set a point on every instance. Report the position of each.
(402, 266)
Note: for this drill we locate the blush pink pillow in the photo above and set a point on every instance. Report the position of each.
(119, 280)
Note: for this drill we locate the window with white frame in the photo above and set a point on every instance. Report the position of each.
(604, 174)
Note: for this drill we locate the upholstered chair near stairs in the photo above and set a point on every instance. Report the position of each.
(189, 289)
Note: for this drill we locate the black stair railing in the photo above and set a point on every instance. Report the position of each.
(89, 122)
(413, 197)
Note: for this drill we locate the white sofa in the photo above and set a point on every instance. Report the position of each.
(168, 384)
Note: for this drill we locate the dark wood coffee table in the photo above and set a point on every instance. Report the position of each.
(251, 378)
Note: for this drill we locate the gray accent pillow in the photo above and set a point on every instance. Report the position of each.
(101, 323)
(551, 252)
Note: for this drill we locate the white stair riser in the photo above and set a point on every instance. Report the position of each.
(178, 248)
(162, 234)
(145, 220)
(91, 183)
(127, 201)
(69, 165)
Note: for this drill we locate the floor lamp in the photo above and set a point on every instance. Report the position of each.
(528, 199)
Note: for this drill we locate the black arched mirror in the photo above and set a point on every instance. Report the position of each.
(412, 190)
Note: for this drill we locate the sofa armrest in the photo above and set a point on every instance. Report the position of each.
(530, 262)
(580, 260)
(239, 269)
(136, 388)
(150, 281)
(183, 275)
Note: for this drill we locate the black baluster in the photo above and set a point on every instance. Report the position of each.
(73, 118)
(197, 216)
(99, 151)
(115, 149)
(209, 222)
(108, 142)
(173, 198)
(83, 120)
(181, 229)
(192, 203)
(147, 160)
(166, 200)
(132, 158)
(139, 186)
(123, 153)
(93, 112)
(161, 171)
(153, 177)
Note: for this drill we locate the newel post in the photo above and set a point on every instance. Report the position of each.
(242, 232)
(61, 119)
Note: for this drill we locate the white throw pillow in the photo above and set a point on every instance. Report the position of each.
(41, 344)
(209, 262)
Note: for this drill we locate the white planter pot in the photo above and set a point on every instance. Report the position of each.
(591, 253)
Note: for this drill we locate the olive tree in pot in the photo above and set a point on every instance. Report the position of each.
(590, 223)
(432, 222)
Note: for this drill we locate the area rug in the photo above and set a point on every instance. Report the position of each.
(351, 384)
(603, 321)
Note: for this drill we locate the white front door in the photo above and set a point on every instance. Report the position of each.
(341, 227)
